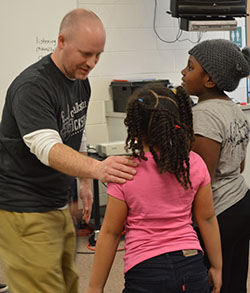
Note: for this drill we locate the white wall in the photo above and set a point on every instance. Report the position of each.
(133, 51)
(28, 30)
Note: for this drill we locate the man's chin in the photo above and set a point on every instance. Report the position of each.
(81, 76)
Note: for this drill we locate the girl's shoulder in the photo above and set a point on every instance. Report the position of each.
(199, 174)
(214, 104)
(195, 159)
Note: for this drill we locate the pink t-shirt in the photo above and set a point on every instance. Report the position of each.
(159, 210)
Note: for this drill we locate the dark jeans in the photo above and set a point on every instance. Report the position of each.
(169, 272)
(234, 226)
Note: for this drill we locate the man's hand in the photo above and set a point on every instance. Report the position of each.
(116, 169)
(74, 211)
(86, 196)
(92, 290)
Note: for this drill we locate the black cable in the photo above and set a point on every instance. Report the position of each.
(104, 184)
(154, 28)
(179, 33)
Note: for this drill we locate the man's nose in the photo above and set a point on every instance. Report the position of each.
(92, 61)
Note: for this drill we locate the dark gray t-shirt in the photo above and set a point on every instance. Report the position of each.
(224, 122)
(41, 97)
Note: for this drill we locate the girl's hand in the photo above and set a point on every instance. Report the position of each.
(215, 279)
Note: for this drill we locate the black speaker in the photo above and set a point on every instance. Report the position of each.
(208, 8)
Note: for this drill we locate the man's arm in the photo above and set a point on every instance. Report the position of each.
(113, 169)
(48, 147)
(85, 192)
(86, 196)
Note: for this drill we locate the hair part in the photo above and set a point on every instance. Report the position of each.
(161, 119)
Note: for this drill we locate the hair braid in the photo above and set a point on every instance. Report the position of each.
(186, 112)
(162, 120)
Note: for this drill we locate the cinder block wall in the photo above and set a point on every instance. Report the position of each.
(133, 51)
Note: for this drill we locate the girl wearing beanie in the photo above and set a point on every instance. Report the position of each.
(221, 137)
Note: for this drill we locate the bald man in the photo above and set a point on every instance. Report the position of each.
(42, 149)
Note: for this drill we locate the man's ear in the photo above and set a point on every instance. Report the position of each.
(209, 83)
(61, 41)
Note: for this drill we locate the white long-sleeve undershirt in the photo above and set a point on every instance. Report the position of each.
(41, 141)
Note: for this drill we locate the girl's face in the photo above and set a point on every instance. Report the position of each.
(194, 78)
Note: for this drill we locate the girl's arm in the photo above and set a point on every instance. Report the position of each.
(203, 211)
(242, 166)
(209, 150)
(107, 243)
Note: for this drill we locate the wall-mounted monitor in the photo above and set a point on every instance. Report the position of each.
(208, 8)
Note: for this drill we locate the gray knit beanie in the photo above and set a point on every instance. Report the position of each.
(224, 61)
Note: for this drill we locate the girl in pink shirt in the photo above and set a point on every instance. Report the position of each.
(162, 251)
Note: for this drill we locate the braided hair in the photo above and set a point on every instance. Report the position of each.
(161, 119)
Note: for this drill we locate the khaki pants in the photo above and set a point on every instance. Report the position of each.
(38, 251)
